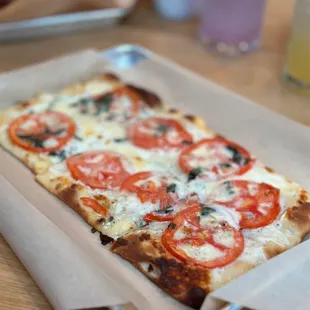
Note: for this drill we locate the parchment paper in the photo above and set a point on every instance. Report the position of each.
(47, 253)
(281, 143)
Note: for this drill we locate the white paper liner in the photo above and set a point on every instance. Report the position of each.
(47, 253)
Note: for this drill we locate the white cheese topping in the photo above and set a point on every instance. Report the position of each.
(98, 133)
(206, 252)
(50, 142)
(28, 124)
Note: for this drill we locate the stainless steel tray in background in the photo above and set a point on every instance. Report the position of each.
(63, 23)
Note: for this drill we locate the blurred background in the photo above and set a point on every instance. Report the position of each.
(259, 49)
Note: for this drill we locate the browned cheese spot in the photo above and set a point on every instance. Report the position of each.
(190, 117)
(23, 105)
(270, 170)
(103, 200)
(303, 197)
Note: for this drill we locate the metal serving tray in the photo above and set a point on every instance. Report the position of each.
(63, 23)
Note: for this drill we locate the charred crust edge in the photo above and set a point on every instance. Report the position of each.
(195, 297)
(270, 170)
(179, 280)
(23, 105)
(173, 110)
(150, 99)
(68, 195)
(190, 117)
(105, 239)
(299, 216)
(111, 76)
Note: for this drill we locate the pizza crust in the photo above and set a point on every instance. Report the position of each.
(8, 114)
(38, 163)
(94, 85)
(186, 283)
(70, 192)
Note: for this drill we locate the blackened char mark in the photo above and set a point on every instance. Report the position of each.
(194, 173)
(120, 242)
(195, 297)
(60, 154)
(105, 239)
(150, 99)
(237, 156)
(190, 117)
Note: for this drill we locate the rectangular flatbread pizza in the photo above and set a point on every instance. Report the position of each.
(189, 208)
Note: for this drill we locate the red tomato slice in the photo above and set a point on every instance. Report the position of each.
(215, 159)
(98, 169)
(166, 214)
(258, 203)
(161, 133)
(122, 104)
(186, 230)
(150, 186)
(95, 205)
(32, 131)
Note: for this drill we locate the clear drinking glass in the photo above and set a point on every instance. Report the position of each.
(232, 27)
(296, 72)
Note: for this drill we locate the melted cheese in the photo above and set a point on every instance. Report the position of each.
(127, 212)
(97, 87)
(98, 133)
(206, 252)
(225, 238)
(50, 142)
(222, 214)
(28, 124)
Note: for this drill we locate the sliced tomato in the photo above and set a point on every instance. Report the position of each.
(168, 213)
(95, 205)
(42, 132)
(98, 169)
(186, 231)
(121, 104)
(215, 159)
(258, 203)
(159, 133)
(150, 186)
(159, 216)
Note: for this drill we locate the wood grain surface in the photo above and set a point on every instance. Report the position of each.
(256, 76)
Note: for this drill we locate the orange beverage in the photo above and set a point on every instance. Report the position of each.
(297, 68)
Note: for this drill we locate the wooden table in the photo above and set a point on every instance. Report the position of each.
(256, 76)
